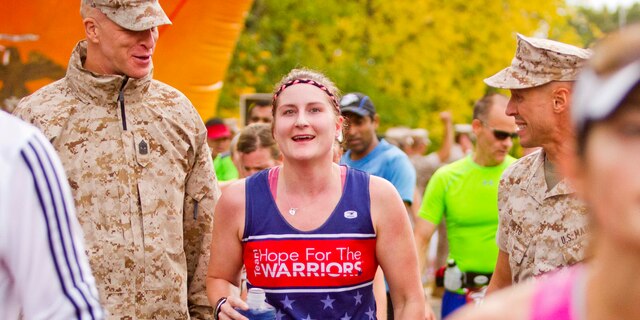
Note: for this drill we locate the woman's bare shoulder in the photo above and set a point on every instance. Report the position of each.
(232, 198)
(380, 186)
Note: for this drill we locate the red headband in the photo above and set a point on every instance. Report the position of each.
(306, 81)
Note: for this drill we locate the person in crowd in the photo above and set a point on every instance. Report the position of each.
(465, 192)
(603, 168)
(463, 140)
(310, 232)
(219, 141)
(425, 166)
(537, 206)
(419, 142)
(137, 160)
(43, 280)
(260, 112)
(400, 137)
(257, 150)
(366, 152)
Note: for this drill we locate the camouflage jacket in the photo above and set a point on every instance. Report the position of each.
(540, 230)
(143, 185)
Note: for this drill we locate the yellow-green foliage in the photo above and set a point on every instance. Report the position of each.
(413, 58)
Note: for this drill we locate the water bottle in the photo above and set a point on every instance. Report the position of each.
(259, 309)
(452, 276)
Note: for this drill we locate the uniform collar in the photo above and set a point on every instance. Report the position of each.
(535, 184)
(98, 89)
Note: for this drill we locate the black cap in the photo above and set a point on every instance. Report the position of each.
(358, 103)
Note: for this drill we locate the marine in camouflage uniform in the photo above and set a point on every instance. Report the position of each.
(137, 160)
(540, 229)
(542, 226)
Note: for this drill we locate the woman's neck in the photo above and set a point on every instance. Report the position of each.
(308, 177)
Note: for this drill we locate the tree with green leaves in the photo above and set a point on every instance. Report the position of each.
(413, 58)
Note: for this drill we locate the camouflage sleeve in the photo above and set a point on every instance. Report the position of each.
(49, 123)
(22, 111)
(202, 192)
(503, 218)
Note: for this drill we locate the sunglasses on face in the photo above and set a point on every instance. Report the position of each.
(499, 134)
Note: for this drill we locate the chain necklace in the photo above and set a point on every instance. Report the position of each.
(292, 211)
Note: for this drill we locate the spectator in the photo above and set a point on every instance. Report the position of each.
(219, 141)
(257, 150)
(606, 118)
(463, 140)
(465, 192)
(136, 156)
(377, 157)
(400, 137)
(260, 112)
(370, 154)
(313, 212)
(425, 167)
(537, 206)
(43, 267)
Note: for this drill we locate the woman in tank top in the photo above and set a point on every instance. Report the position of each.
(606, 174)
(312, 233)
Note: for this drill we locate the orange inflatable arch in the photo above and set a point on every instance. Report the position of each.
(193, 54)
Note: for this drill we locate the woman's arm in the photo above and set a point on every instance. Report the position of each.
(225, 262)
(395, 251)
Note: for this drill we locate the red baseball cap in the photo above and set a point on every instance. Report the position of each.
(217, 131)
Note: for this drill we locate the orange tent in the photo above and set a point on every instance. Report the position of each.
(37, 37)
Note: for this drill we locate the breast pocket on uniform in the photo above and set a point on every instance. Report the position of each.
(574, 244)
(519, 242)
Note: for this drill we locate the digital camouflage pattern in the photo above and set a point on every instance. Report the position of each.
(540, 230)
(540, 61)
(145, 195)
(134, 15)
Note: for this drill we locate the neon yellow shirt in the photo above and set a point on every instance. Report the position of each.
(466, 194)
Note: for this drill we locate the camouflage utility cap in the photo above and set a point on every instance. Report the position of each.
(540, 61)
(136, 15)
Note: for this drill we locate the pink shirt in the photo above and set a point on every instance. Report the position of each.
(558, 296)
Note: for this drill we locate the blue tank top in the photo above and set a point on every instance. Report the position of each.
(326, 273)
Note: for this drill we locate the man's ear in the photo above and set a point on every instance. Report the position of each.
(91, 30)
(376, 120)
(476, 125)
(561, 99)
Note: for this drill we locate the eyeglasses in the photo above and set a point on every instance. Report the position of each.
(499, 134)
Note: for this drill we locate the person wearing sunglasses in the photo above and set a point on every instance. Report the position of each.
(465, 194)
(499, 134)
(541, 221)
(603, 167)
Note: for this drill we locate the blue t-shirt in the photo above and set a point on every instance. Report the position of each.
(389, 162)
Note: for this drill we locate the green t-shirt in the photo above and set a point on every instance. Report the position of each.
(466, 194)
(224, 167)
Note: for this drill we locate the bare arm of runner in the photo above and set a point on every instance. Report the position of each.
(225, 264)
(396, 251)
(501, 275)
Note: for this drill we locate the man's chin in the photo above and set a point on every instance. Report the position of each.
(138, 73)
(355, 149)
